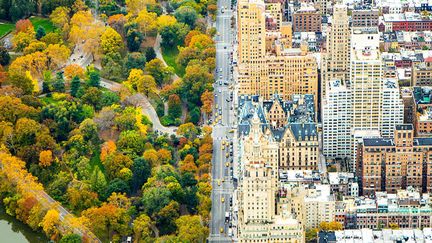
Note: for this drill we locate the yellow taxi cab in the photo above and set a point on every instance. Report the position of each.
(223, 200)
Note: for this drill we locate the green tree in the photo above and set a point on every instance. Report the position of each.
(71, 238)
(174, 106)
(159, 72)
(59, 83)
(150, 54)
(131, 142)
(4, 56)
(134, 38)
(135, 60)
(40, 32)
(165, 218)
(154, 199)
(75, 85)
(94, 78)
(187, 15)
(173, 35)
(140, 173)
(22, 82)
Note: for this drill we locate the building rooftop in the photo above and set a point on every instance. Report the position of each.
(422, 95)
(407, 16)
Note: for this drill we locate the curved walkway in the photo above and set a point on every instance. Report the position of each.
(146, 108)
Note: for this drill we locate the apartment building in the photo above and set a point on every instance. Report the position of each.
(307, 19)
(407, 21)
(366, 77)
(310, 204)
(392, 108)
(422, 73)
(279, 70)
(405, 209)
(397, 163)
(365, 17)
(258, 221)
(337, 121)
(291, 123)
(335, 62)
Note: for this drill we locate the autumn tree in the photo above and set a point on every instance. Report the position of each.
(152, 157)
(330, 226)
(107, 220)
(107, 148)
(117, 22)
(111, 41)
(57, 55)
(142, 228)
(187, 130)
(50, 223)
(207, 101)
(45, 158)
(21, 40)
(114, 163)
(196, 80)
(60, 18)
(34, 46)
(24, 25)
(147, 22)
(73, 70)
(136, 6)
(3, 75)
(190, 229)
(165, 20)
(142, 83)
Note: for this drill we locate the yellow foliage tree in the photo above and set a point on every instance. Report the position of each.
(73, 70)
(50, 223)
(135, 6)
(147, 22)
(34, 82)
(57, 55)
(45, 158)
(165, 20)
(111, 41)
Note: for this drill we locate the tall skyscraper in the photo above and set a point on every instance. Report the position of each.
(251, 30)
(366, 79)
(335, 62)
(337, 120)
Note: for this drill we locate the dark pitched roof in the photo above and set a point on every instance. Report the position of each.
(301, 131)
(377, 142)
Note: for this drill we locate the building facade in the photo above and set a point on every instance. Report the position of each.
(279, 70)
(335, 62)
(337, 121)
(393, 164)
(307, 19)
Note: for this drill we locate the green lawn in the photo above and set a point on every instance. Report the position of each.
(5, 28)
(170, 55)
(46, 23)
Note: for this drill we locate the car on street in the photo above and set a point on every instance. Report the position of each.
(223, 200)
(227, 164)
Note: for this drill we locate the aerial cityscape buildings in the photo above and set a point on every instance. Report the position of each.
(334, 121)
